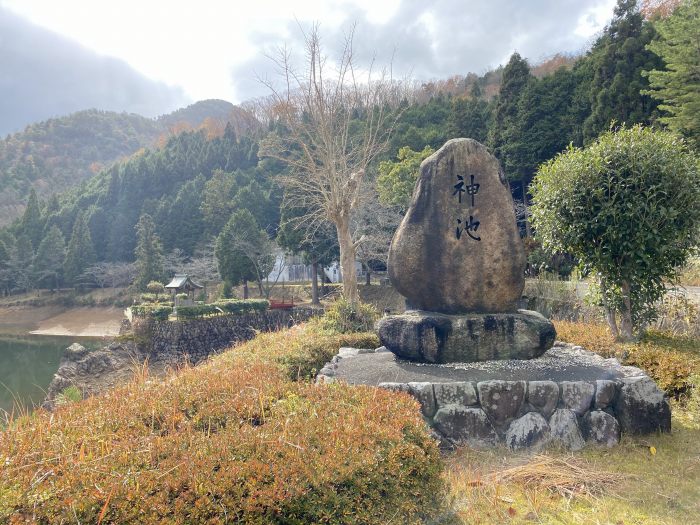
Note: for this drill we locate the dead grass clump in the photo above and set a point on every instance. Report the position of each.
(564, 476)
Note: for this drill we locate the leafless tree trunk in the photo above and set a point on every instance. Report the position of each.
(314, 283)
(334, 127)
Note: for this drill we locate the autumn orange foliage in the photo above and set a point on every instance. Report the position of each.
(232, 441)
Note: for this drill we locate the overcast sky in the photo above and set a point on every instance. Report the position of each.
(164, 53)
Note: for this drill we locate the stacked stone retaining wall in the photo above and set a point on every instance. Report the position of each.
(162, 345)
(196, 339)
(531, 414)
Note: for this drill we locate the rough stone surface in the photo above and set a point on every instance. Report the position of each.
(423, 392)
(577, 396)
(458, 393)
(440, 338)
(601, 428)
(604, 393)
(529, 431)
(433, 268)
(642, 407)
(501, 400)
(75, 351)
(543, 396)
(396, 387)
(465, 425)
(199, 338)
(557, 364)
(496, 408)
(564, 428)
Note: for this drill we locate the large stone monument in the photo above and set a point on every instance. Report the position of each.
(458, 259)
(484, 372)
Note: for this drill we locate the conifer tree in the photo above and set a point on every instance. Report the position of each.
(243, 251)
(677, 86)
(149, 253)
(49, 258)
(32, 224)
(516, 76)
(21, 264)
(5, 275)
(80, 254)
(470, 117)
(619, 57)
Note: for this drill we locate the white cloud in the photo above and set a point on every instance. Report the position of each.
(213, 49)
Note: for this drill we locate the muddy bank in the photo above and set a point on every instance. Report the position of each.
(61, 321)
(83, 322)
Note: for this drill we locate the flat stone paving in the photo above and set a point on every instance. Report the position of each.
(557, 364)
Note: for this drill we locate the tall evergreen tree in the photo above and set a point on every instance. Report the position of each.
(678, 85)
(21, 264)
(5, 274)
(32, 224)
(543, 126)
(48, 265)
(149, 253)
(470, 117)
(238, 247)
(216, 200)
(80, 254)
(619, 57)
(183, 225)
(516, 76)
(257, 201)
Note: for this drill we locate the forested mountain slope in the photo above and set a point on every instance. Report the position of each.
(59, 153)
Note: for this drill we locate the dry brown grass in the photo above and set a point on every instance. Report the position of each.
(645, 480)
(566, 476)
(233, 440)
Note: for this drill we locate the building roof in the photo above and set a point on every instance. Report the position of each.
(182, 280)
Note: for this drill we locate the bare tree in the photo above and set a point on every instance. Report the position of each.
(109, 274)
(375, 224)
(334, 123)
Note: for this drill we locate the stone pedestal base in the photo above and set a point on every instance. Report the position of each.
(567, 397)
(431, 337)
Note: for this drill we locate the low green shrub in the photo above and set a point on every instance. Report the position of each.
(233, 440)
(238, 306)
(69, 394)
(344, 317)
(301, 358)
(232, 306)
(159, 312)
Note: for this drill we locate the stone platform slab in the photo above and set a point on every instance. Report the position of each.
(432, 337)
(568, 396)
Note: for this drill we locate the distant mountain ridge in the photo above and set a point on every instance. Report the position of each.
(57, 154)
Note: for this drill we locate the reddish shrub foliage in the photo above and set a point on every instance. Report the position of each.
(232, 441)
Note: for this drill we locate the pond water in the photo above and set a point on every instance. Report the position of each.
(27, 365)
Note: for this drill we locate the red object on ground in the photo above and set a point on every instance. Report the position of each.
(281, 305)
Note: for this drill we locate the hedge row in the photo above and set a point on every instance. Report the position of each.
(159, 312)
(232, 441)
(222, 307)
